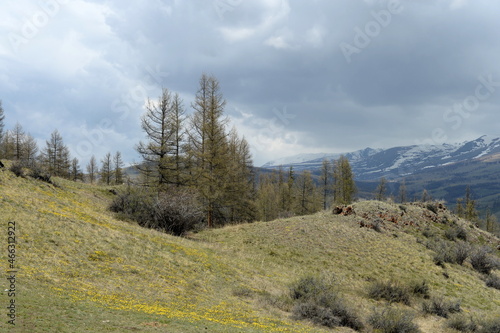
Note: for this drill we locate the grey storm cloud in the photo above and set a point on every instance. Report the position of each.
(298, 76)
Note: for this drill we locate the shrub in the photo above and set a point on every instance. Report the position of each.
(420, 288)
(393, 321)
(433, 208)
(174, 212)
(492, 326)
(456, 233)
(135, 204)
(377, 225)
(447, 252)
(317, 314)
(462, 324)
(390, 291)
(17, 169)
(428, 233)
(482, 261)
(462, 250)
(39, 174)
(316, 302)
(493, 281)
(308, 287)
(440, 307)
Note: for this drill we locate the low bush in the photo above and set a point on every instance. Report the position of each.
(391, 291)
(493, 281)
(432, 207)
(315, 301)
(483, 261)
(456, 233)
(492, 326)
(462, 324)
(448, 252)
(440, 307)
(17, 169)
(391, 320)
(421, 289)
(175, 212)
(462, 251)
(428, 233)
(38, 174)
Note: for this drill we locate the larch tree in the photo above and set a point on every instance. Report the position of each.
(2, 126)
(55, 156)
(344, 185)
(106, 169)
(239, 189)
(325, 179)
(471, 213)
(176, 158)
(92, 169)
(8, 146)
(75, 171)
(209, 148)
(162, 151)
(19, 137)
(118, 168)
(402, 191)
(267, 197)
(381, 189)
(307, 202)
(30, 151)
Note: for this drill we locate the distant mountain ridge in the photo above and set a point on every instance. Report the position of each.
(397, 162)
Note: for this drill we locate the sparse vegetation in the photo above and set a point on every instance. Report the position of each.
(17, 169)
(315, 301)
(175, 212)
(391, 291)
(392, 320)
(420, 288)
(456, 233)
(493, 281)
(491, 326)
(440, 307)
(462, 324)
(233, 279)
(483, 261)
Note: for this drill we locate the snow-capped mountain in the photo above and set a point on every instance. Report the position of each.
(397, 162)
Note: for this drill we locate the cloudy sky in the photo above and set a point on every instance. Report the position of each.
(298, 76)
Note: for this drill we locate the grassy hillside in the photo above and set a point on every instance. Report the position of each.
(82, 270)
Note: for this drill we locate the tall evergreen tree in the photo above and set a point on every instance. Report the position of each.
(92, 169)
(75, 171)
(267, 198)
(29, 151)
(177, 159)
(209, 148)
(8, 147)
(307, 198)
(344, 186)
(106, 169)
(161, 124)
(19, 136)
(56, 156)
(402, 191)
(471, 213)
(2, 126)
(326, 181)
(117, 168)
(239, 189)
(381, 189)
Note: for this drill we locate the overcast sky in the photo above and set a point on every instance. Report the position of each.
(298, 76)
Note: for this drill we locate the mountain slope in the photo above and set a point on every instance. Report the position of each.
(397, 162)
(82, 270)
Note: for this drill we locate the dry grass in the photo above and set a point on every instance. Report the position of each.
(82, 270)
